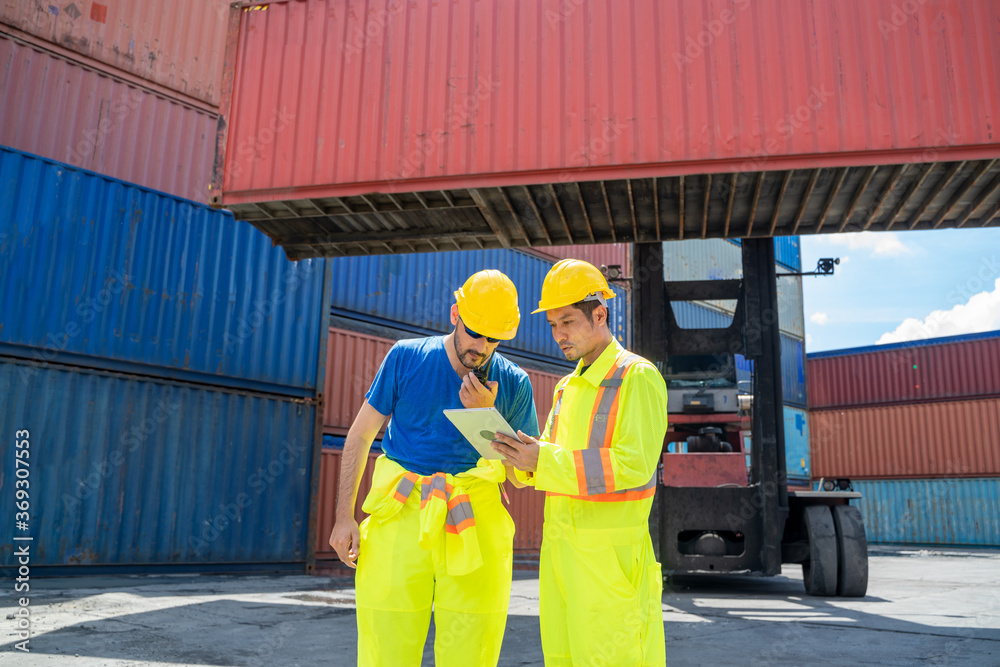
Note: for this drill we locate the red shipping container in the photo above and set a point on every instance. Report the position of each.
(56, 108)
(177, 44)
(349, 98)
(605, 254)
(949, 368)
(944, 439)
(329, 476)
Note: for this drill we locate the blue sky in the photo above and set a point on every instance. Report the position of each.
(899, 286)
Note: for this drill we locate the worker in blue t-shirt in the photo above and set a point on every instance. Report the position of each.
(438, 534)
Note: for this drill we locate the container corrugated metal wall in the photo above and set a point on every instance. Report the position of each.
(59, 109)
(353, 359)
(441, 87)
(787, 251)
(134, 471)
(134, 280)
(177, 43)
(942, 368)
(417, 292)
(947, 439)
(793, 366)
(718, 259)
(954, 512)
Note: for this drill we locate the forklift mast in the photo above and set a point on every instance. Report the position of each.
(732, 527)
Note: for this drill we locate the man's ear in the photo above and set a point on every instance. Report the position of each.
(454, 314)
(601, 315)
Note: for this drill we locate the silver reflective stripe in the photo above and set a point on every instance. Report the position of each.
(437, 482)
(594, 470)
(555, 414)
(599, 428)
(404, 487)
(459, 513)
(645, 487)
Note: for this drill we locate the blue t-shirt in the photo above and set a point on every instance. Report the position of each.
(416, 382)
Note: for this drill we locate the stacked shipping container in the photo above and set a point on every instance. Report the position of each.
(169, 359)
(166, 362)
(917, 427)
(130, 91)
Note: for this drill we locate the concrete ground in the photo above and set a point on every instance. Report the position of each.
(935, 607)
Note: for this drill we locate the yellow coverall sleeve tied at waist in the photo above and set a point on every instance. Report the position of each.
(444, 507)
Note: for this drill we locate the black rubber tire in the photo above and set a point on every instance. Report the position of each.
(852, 552)
(820, 571)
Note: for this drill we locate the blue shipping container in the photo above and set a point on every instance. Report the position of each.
(787, 251)
(129, 471)
(793, 366)
(416, 292)
(953, 512)
(797, 444)
(105, 274)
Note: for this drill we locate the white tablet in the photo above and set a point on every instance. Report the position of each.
(480, 426)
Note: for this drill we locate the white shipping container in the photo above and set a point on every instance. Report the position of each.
(718, 259)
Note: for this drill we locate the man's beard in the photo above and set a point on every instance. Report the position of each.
(477, 359)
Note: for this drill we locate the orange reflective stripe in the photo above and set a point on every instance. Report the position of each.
(405, 486)
(647, 490)
(438, 487)
(555, 414)
(581, 471)
(459, 514)
(597, 473)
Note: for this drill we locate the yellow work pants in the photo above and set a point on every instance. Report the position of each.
(600, 597)
(398, 582)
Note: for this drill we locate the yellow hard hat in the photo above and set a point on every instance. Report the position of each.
(487, 304)
(571, 281)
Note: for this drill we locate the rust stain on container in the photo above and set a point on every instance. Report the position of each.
(178, 44)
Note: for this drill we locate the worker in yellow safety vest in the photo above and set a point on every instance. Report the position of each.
(438, 534)
(600, 584)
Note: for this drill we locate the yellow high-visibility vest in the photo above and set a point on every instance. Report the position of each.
(602, 442)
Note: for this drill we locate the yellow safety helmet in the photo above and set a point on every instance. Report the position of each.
(571, 281)
(487, 304)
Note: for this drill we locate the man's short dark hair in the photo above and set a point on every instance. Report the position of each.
(588, 308)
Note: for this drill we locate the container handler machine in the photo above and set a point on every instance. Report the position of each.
(711, 513)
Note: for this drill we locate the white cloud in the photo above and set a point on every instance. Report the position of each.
(845, 259)
(819, 318)
(981, 313)
(809, 340)
(881, 244)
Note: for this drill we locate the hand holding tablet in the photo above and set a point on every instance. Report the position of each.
(480, 426)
